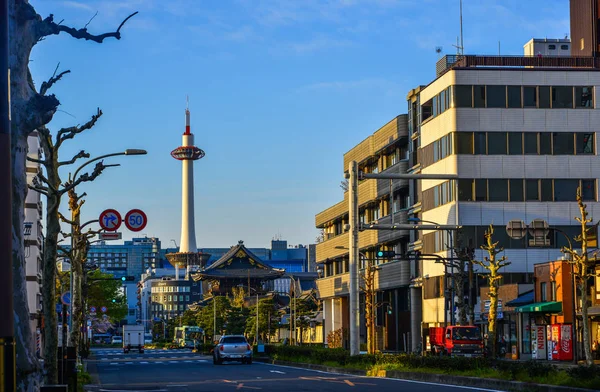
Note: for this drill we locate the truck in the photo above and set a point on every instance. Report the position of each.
(133, 338)
(456, 341)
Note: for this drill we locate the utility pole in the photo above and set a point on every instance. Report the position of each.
(214, 317)
(354, 175)
(8, 371)
(353, 253)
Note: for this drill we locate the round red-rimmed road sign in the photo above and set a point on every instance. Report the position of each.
(136, 220)
(110, 220)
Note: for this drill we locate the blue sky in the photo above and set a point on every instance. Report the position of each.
(279, 90)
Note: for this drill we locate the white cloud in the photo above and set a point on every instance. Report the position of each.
(77, 5)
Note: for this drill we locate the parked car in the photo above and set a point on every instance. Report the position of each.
(117, 340)
(232, 348)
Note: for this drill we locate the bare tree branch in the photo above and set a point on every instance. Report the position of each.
(90, 21)
(40, 161)
(69, 133)
(98, 169)
(49, 27)
(65, 220)
(55, 78)
(80, 154)
(40, 189)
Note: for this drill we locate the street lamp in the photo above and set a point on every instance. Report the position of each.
(75, 219)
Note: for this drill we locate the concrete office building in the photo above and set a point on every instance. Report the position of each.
(385, 201)
(522, 138)
(34, 240)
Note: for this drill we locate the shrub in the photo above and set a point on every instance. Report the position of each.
(584, 372)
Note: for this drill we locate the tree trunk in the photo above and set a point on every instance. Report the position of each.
(459, 280)
(49, 289)
(494, 279)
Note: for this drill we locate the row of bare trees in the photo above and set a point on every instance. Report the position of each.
(31, 111)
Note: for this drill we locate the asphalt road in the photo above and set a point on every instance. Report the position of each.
(174, 370)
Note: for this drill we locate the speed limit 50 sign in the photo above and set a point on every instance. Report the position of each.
(136, 220)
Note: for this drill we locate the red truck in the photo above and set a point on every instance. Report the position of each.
(456, 341)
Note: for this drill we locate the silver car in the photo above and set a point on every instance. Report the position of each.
(232, 348)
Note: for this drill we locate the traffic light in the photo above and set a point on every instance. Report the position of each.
(389, 309)
(114, 300)
(386, 254)
(128, 278)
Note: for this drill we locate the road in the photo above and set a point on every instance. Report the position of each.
(184, 371)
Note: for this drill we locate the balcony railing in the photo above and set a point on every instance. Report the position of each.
(449, 62)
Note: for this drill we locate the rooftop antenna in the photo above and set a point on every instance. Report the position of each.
(187, 101)
(461, 48)
(438, 50)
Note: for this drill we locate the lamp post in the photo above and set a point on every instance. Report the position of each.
(75, 219)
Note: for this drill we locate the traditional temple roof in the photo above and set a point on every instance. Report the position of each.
(239, 263)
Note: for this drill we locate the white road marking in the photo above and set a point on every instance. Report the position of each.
(143, 363)
(114, 363)
(276, 371)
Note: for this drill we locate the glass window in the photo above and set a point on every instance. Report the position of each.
(531, 190)
(463, 142)
(562, 143)
(530, 97)
(530, 142)
(516, 190)
(562, 97)
(545, 143)
(543, 296)
(443, 101)
(479, 96)
(479, 143)
(496, 96)
(565, 190)
(588, 190)
(544, 97)
(480, 190)
(465, 190)
(546, 190)
(496, 143)
(514, 96)
(583, 97)
(553, 291)
(463, 96)
(551, 47)
(564, 47)
(515, 143)
(434, 105)
(498, 190)
(585, 143)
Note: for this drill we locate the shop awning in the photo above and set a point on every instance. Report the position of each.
(541, 307)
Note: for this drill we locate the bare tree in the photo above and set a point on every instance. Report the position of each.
(460, 273)
(30, 110)
(583, 270)
(492, 264)
(54, 188)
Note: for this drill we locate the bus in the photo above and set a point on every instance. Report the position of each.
(187, 336)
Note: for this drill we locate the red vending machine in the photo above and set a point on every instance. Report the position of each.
(560, 345)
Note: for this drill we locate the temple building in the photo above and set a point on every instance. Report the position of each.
(237, 268)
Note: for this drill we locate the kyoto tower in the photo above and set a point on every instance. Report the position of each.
(188, 255)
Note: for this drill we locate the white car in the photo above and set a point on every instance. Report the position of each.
(117, 340)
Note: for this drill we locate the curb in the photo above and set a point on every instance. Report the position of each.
(443, 379)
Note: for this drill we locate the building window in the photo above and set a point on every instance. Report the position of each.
(581, 44)
(530, 97)
(588, 190)
(562, 97)
(531, 190)
(546, 190)
(463, 142)
(584, 97)
(551, 47)
(544, 97)
(181, 297)
(531, 142)
(585, 143)
(496, 96)
(479, 142)
(564, 47)
(553, 291)
(562, 143)
(498, 190)
(516, 190)
(514, 96)
(465, 190)
(480, 190)
(515, 143)
(565, 190)
(479, 96)
(496, 143)
(187, 298)
(543, 297)
(463, 96)
(545, 143)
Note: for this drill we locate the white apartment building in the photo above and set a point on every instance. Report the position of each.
(33, 242)
(521, 139)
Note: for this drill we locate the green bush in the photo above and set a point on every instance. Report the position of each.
(584, 372)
